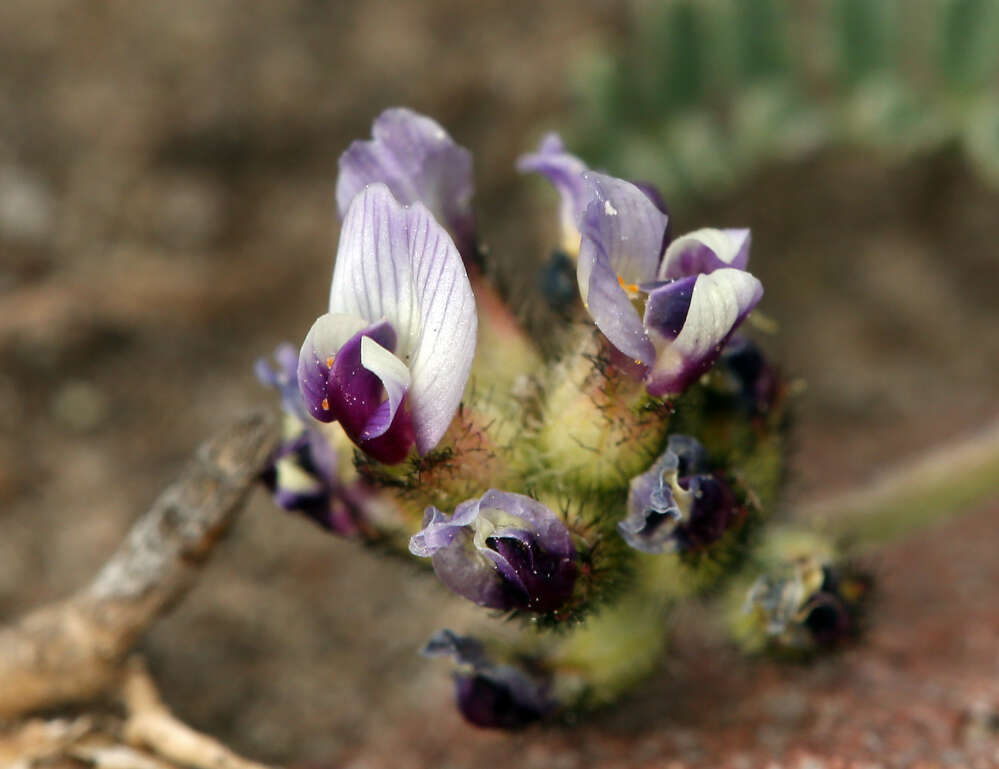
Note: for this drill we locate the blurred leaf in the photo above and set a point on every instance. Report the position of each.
(676, 55)
(864, 37)
(968, 42)
(760, 38)
(981, 138)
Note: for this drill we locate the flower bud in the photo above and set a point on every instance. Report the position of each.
(490, 695)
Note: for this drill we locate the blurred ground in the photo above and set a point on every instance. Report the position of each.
(166, 216)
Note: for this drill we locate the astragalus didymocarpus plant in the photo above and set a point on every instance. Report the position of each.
(581, 496)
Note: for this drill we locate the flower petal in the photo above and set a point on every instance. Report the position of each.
(491, 695)
(328, 334)
(338, 386)
(395, 379)
(704, 251)
(503, 550)
(284, 379)
(565, 172)
(653, 511)
(622, 236)
(419, 162)
(625, 225)
(612, 309)
(711, 311)
(399, 264)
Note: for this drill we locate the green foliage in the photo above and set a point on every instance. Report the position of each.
(706, 91)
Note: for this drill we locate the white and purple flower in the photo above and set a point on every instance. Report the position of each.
(504, 551)
(419, 162)
(677, 505)
(391, 358)
(670, 315)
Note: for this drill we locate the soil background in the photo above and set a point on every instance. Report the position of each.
(166, 217)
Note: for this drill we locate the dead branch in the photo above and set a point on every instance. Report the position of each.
(152, 726)
(73, 650)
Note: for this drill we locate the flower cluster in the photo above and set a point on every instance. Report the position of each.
(511, 483)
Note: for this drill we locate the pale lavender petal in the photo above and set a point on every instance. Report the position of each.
(691, 456)
(419, 162)
(565, 172)
(660, 522)
(612, 309)
(713, 309)
(653, 512)
(398, 264)
(284, 379)
(653, 194)
(626, 228)
(439, 529)
(704, 251)
(622, 237)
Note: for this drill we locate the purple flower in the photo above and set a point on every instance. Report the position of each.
(676, 505)
(503, 550)
(694, 297)
(491, 695)
(303, 474)
(565, 172)
(419, 162)
(390, 359)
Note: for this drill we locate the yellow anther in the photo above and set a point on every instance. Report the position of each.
(329, 362)
(631, 288)
(326, 404)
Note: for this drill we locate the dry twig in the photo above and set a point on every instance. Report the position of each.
(73, 650)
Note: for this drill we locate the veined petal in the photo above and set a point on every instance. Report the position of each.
(565, 172)
(419, 162)
(711, 310)
(612, 309)
(399, 264)
(704, 251)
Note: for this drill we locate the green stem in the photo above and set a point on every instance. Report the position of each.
(936, 486)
